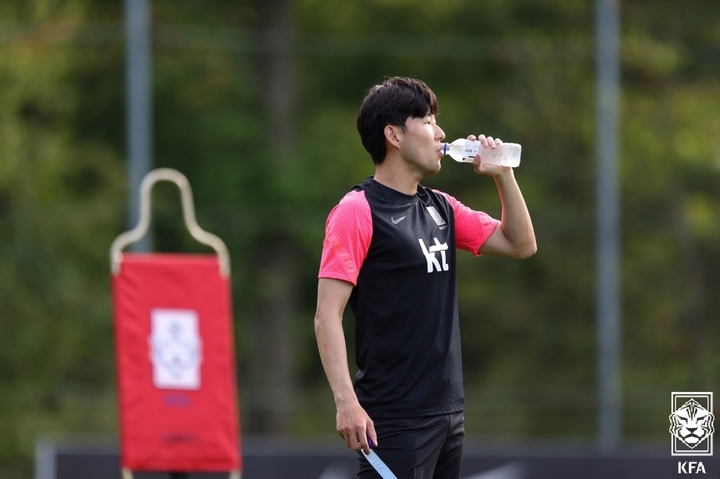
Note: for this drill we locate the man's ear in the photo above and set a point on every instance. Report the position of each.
(392, 135)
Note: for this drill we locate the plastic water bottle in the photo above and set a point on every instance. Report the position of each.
(464, 151)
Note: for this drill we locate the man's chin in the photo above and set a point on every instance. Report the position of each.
(431, 169)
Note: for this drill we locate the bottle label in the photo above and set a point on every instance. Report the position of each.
(470, 149)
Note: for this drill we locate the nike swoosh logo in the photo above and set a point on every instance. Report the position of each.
(396, 221)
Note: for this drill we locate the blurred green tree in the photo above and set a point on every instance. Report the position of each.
(61, 200)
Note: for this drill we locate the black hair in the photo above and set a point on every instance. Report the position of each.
(392, 103)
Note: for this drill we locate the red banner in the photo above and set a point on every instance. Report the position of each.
(175, 364)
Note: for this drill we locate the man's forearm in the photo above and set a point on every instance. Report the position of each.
(515, 220)
(333, 354)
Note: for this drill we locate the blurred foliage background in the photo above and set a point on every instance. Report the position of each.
(255, 102)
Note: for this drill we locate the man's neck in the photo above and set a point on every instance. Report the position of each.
(393, 175)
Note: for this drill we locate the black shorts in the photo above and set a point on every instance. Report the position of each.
(419, 448)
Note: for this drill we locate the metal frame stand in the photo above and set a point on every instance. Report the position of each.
(141, 229)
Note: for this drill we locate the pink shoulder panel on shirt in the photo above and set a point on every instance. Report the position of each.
(472, 227)
(348, 232)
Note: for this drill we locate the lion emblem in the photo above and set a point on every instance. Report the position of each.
(692, 423)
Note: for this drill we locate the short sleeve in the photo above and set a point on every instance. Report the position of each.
(348, 233)
(472, 228)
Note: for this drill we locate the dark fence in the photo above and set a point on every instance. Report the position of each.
(280, 460)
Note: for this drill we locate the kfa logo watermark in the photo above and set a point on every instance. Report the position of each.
(692, 424)
(691, 467)
(691, 428)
